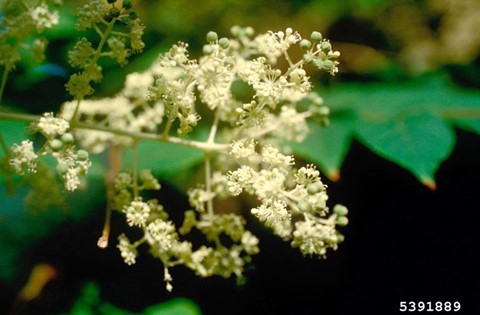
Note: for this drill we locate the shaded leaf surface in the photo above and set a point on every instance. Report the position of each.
(418, 143)
(409, 123)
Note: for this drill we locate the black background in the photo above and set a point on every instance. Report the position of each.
(404, 243)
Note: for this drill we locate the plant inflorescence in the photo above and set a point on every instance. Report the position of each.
(244, 149)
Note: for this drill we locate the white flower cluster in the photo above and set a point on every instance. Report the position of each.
(127, 250)
(23, 157)
(293, 201)
(254, 108)
(137, 213)
(172, 87)
(51, 126)
(129, 111)
(161, 235)
(43, 18)
(72, 164)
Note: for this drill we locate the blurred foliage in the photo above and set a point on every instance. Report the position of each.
(410, 123)
(390, 45)
(409, 74)
(90, 303)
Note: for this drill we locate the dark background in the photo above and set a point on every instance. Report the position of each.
(404, 243)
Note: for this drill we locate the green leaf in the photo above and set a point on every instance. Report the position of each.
(19, 229)
(469, 124)
(418, 143)
(178, 306)
(166, 160)
(328, 146)
(90, 303)
(12, 132)
(407, 123)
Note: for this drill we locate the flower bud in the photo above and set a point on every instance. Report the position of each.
(62, 168)
(212, 36)
(340, 238)
(320, 205)
(127, 4)
(328, 65)
(305, 44)
(303, 205)
(56, 144)
(307, 58)
(340, 210)
(133, 15)
(230, 61)
(67, 138)
(114, 12)
(316, 36)
(224, 42)
(317, 63)
(236, 31)
(249, 31)
(314, 188)
(207, 49)
(82, 155)
(342, 221)
(325, 46)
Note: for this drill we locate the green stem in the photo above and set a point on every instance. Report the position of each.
(213, 130)
(4, 146)
(114, 165)
(139, 242)
(204, 146)
(135, 169)
(208, 182)
(96, 55)
(74, 119)
(166, 131)
(116, 33)
(287, 57)
(4, 81)
(103, 40)
(208, 170)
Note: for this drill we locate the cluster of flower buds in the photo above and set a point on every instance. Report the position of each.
(72, 164)
(19, 23)
(102, 17)
(248, 132)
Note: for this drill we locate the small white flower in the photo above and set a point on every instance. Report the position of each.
(283, 229)
(44, 18)
(23, 157)
(274, 44)
(272, 156)
(243, 149)
(292, 125)
(307, 175)
(269, 183)
(239, 179)
(198, 197)
(72, 179)
(161, 233)
(314, 238)
(272, 212)
(137, 213)
(127, 250)
(52, 126)
(214, 79)
(250, 243)
(136, 85)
